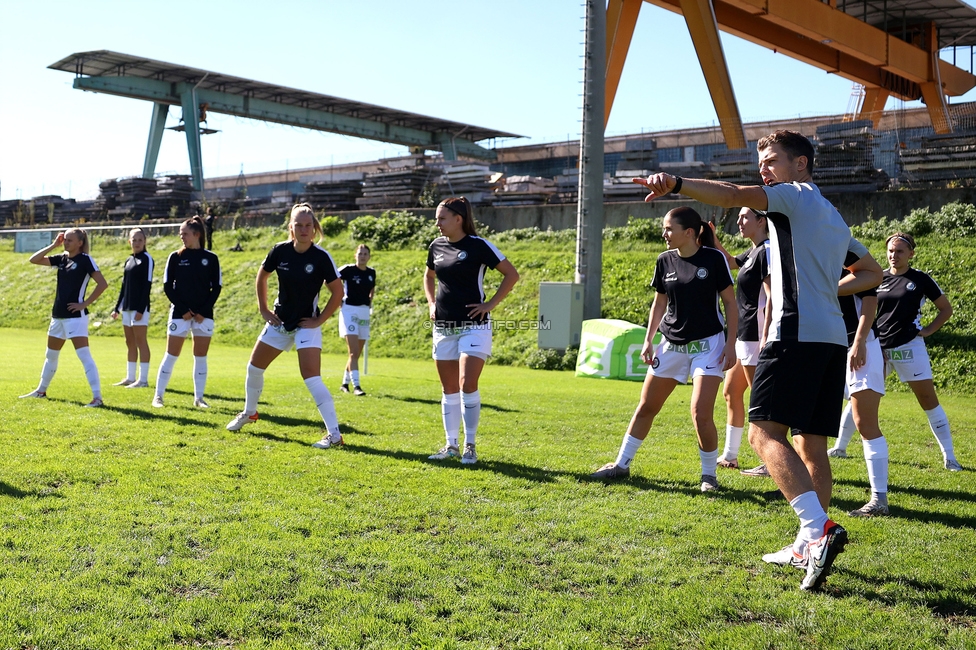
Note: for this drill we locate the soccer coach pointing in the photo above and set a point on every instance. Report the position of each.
(799, 382)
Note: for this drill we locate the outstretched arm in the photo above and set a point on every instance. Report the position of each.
(720, 193)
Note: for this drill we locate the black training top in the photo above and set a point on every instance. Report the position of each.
(357, 283)
(73, 275)
(900, 300)
(692, 286)
(192, 281)
(749, 295)
(137, 277)
(460, 269)
(300, 279)
(850, 306)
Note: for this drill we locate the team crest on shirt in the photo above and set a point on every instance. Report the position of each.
(910, 286)
(701, 273)
(462, 255)
(309, 268)
(205, 261)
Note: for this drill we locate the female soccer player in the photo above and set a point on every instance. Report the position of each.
(456, 264)
(302, 267)
(69, 317)
(359, 283)
(750, 298)
(133, 306)
(690, 279)
(192, 282)
(899, 325)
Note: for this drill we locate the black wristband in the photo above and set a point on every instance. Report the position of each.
(677, 186)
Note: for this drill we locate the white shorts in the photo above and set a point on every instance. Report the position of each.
(870, 376)
(354, 321)
(129, 319)
(911, 361)
(747, 352)
(451, 343)
(696, 359)
(68, 328)
(181, 328)
(301, 337)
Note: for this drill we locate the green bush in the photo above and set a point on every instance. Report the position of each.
(534, 234)
(540, 359)
(956, 220)
(643, 230)
(394, 230)
(332, 226)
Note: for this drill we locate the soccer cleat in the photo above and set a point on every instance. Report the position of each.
(786, 556)
(200, 404)
(327, 442)
(611, 471)
(358, 391)
(821, 555)
(35, 393)
(837, 452)
(344, 388)
(728, 463)
(758, 471)
(138, 384)
(708, 483)
(469, 457)
(157, 402)
(872, 508)
(951, 465)
(125, 382)
(95, 403)
(445, 452)
(241, 419)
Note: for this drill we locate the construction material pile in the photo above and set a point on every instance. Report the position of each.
(845, 158)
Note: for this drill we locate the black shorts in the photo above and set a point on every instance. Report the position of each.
(800, 385)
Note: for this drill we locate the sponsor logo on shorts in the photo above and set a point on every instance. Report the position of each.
(901, 355)
(655, 362)
(917, 374)
(701, 273)
(695, 347)
(351, 327)
(172, 327)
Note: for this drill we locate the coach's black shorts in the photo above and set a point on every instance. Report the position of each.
(800, 385)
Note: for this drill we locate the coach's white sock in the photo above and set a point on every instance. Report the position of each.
(812, 517)
(354, 375)
(709, 461)
(325, 405)
(451, 414)
(733, 440)
(939, 424)
(847, 428)
(48, 369)
(143, 372)
(165, 373)
(91, 371)
(199, 376)
(346, 377)
(471, 414)
(253, 387)
(876, 458)
(130, 371)
(628, 449)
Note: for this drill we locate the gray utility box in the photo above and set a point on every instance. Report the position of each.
(560, 314)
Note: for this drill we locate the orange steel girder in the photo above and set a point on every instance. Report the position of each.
(872, 105)
(932, 90)
(621, 20)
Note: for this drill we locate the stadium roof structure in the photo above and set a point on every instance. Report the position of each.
(891, 47)
(201, 91)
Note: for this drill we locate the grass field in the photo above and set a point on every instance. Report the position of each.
(130, 527)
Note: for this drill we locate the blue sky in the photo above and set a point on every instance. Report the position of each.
(513, 65)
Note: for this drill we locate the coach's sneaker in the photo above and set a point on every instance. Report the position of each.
(836, 452)
(241, 419)
(821, 555)
(95, 403)
(611, 471)
(786, 556)
(873, 508)
(708, 483)
(469, 457)
(125, 382)
(328, 441)
(951, 465)
(730, 462)
(759, 471)
(344, 388)
(200, 404)
(445, 452)
(157, 402)
(358, 391)
(39, 394)
(138, 384)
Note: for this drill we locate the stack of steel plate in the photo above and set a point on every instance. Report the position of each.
(845, 158)
(395, 187)
(940, 159)
(108, 196)
(14, 213)
(621, 186)
(46, 208)
(72, 211)
(739, 166)
(339, 193)
(471, 180)
(567, 187)
(524, 190)
(135, 198)
(173, 195)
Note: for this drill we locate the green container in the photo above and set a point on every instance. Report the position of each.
(610, 349)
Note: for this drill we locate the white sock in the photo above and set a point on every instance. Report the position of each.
(130, 371)
(451, 414)
(48, 369)
(847, 428)
(354, 375)
(199, 376)
(346, 378)
(91, 371)
(628, 449)
(253, 386)
(165, 373)
(876, 458)
(709, 461)
(325, 405)
(144, 372)
(939, 424)
(470, 413)
(733, 440)
(812, 516)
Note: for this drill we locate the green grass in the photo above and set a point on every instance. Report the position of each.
(130, 527)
